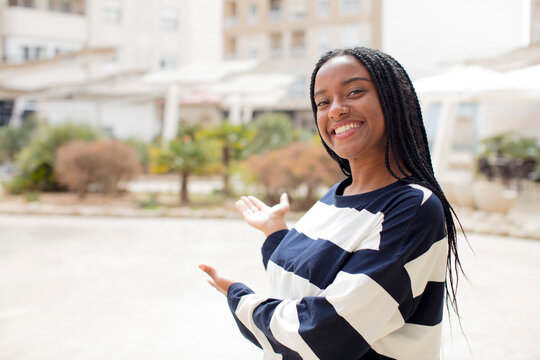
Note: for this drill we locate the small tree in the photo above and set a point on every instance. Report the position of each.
(103, 164)
(299, 165)
(233, 140)
(190, 153)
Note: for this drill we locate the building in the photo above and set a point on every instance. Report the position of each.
(83, 60)
(535, 22)
(290, 35)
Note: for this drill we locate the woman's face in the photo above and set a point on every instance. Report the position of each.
(349, 113)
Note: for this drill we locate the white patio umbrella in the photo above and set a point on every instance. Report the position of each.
(473, 83)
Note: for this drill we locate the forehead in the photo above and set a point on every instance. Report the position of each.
(338, 69)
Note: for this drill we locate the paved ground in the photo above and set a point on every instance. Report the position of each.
(109, 288)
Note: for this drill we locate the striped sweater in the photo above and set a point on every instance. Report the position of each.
(358, 277)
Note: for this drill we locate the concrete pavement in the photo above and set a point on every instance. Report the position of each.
(129, 288)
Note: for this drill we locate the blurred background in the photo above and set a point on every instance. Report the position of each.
(147, 120)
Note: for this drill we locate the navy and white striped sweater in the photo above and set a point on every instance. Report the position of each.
(358, 277)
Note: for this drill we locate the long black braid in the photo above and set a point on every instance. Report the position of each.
(406, 140)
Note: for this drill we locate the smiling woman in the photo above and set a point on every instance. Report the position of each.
(363, 275)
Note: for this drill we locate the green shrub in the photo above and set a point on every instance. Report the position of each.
(35, 163)
(14, 139)
(272, 131)
(143, 153)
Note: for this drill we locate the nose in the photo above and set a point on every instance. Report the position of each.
(338, 109)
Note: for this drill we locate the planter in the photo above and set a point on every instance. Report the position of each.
(492, 197)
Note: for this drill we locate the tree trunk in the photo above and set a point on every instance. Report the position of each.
(226, 158)
(184, 196)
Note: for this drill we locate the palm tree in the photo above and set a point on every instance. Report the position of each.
(189, 153)
(233, 140)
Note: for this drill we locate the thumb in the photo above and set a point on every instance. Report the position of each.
(284, 199)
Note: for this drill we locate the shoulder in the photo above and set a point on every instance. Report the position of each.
(413, 219)
(402, 199)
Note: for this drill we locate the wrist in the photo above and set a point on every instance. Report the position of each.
(273, 226)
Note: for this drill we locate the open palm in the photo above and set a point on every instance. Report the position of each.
(261, 216)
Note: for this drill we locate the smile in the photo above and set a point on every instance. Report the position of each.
(342, 129)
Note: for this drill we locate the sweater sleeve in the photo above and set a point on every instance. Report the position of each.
(373, 294)
(270, 245)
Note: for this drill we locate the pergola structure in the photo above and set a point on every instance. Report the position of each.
(75, 76)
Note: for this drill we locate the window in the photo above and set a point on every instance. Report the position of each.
(23, 3)
(252, 17)
(349, 7)
(112, 11)
(323, 8)
(169, 19)
(356, 35)
(29, 53)
(299, 86)
(26, 53)
(60, 5)
(253, 49)
(275, 10)
(466, 126)
(350, 35)
(168, 62)
(298, 9)
(431, 121)
(38, 52)
(230, 48)
(324, 44)
(230, 13)
(368, 7)
(111, 64)
(276, 46)
(298, 43)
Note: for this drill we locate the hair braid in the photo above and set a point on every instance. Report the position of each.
(406, 140)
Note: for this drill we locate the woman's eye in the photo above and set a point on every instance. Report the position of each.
(322, 103)
(355, 92)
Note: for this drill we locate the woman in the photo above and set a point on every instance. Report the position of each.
(363, 274)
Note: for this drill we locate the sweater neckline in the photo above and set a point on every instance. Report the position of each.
(360, 199)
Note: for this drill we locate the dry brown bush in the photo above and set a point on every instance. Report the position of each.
(299, 165)
(99, 166)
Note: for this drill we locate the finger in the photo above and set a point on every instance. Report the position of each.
(210, 271)
(242, 208)
(257, 203)
(248, 201)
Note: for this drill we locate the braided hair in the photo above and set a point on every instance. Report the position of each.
(406, 140)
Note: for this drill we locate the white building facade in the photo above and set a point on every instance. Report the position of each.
(83, 60)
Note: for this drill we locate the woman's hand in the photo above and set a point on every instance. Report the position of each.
(263, 217)
(220, 284)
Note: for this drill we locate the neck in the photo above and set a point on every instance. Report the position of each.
(368, 176)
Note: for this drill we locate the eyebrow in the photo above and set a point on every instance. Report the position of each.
(348, 81)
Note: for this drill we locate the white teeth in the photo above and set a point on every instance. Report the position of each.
(342, 129)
